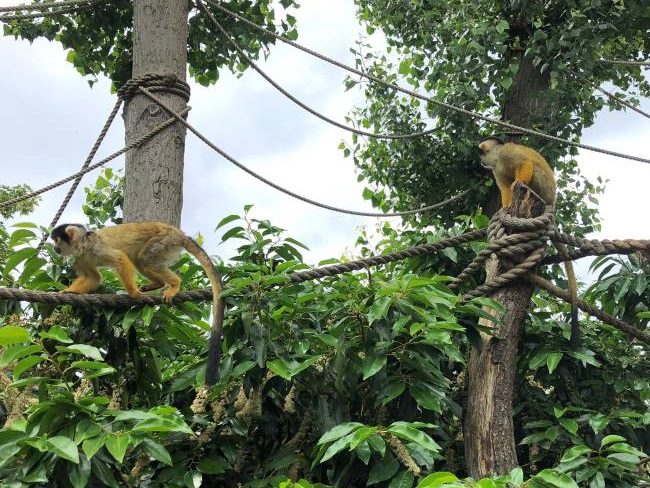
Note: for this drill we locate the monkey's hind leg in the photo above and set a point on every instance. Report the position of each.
(126, 272)
(153, 262)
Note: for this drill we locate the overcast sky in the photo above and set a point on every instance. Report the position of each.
(51, 118)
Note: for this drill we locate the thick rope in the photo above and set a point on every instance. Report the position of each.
(418, 95)
(138, 142)
(593, 247)
(42, 6)
(110, 300)
(75, 7)
(261, 178)
(587, 308)
(302, 105)
(625, 63)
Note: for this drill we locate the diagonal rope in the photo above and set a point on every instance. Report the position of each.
(136, 143)
(261, 178)
(89, 158)
(74, 7)
(420, 96)
(295, 100)
(622, 101)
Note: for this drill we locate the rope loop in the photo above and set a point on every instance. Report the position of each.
(154, 82)
(518, 242)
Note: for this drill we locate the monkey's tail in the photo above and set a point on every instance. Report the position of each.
(214, 344)
(573, 294)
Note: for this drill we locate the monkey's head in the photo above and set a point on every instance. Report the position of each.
(65, 235)
(489, 151)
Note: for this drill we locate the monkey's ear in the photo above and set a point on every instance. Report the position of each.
(74, 231)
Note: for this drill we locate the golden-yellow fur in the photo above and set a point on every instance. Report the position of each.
(148, 247)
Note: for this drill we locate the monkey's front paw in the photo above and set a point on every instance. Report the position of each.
(69, 290)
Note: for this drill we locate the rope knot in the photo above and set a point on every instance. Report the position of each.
(154, 83)
(518, 242)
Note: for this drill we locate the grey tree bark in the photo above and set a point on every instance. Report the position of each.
(154, 171)
(488, 430)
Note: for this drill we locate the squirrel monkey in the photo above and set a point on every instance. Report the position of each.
(512, 162)
(148, 247)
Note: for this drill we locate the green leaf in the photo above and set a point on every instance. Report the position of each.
(56, 333)
(117, 444)
(402, 480)
(382, 471)
(552, 360)
(406, 431)
(379, 309)
(279, 367)
(517, 476)
(213, 465)
(85, 430)
(610, 439)
(172, 424)
(64, 448)
(94, 444)
(83, 349)
(569, 424)
(193, 479)
(555, 478)
(435, 480)
(337, 447)
(25, 364)
(227, 220)
(12, 334)
(486, 483)
(372, 364)
(156, 451)
(360, 435)
(339, 431)
(17, 257)
(79, 474)
(597, 481)
(574, 453)
(16, 352)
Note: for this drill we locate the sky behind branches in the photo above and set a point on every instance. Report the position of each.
(51, 117)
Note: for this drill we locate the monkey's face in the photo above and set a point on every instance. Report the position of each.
(489, 152)
(64, 235)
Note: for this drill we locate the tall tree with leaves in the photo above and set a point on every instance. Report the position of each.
(533, 64)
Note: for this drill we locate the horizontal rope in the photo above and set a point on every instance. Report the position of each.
(268, 182)
(415, 94)
(138, 142)
(295, 100)
(593, 247)
(112, 300)
(76, 7)
(625, 103)
(624, 62)
(42, 6)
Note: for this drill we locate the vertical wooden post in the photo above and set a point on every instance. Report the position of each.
(154, 171)
(488, 426)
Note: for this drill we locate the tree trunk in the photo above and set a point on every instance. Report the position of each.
(154, 171)
(488, 426)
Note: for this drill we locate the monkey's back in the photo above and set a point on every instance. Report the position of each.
(543, 180)
(131, 238)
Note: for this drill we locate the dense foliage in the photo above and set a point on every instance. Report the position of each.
(350, 381)
(531, 63)
(100, 41)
